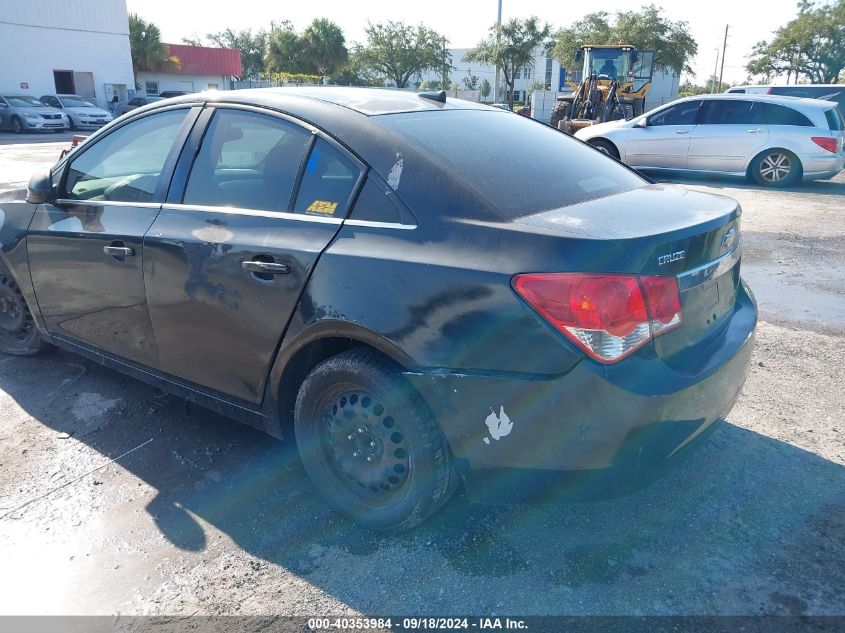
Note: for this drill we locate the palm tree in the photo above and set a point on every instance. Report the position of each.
(148, 53)
(325, 47)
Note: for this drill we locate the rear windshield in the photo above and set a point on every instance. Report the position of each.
(519, 165)
(834, 119)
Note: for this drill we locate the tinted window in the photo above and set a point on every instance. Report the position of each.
(137, 101)
(781, 115)
(731, 112)
(679, 114)
(247, 160)
(834, 119)
(376, 203)
(327, 183)
(126, 164)
(518, 165)
(51, 101)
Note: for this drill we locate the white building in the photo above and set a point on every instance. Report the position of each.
(198, 68)
(65, 46)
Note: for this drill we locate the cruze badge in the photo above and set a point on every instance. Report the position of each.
(671, 257)
(729, 237)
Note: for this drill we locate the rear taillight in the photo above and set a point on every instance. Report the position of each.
(826, 142)
(608, 316)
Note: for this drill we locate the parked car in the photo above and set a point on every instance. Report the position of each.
(22, 113)
(80, 113)
(501, 106)
(826, 92)
(136, 102)
(356, 269)
(775, 141)
(167, 94)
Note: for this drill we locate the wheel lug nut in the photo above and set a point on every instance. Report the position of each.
(356, 454)
(351, 436)
(362, 429)
(370, 458)
(373, 444)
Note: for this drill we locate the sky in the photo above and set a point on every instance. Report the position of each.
(465, 22)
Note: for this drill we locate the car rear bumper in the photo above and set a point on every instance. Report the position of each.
(825, 165)
(597, 422)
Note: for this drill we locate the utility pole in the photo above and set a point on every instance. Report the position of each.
(724, 46)
(498, 36)
(715, 70)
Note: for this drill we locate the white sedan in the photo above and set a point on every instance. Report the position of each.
(776, 141)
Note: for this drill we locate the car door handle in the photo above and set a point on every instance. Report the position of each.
(267, 268)
(681, 131)
(119, 251)
(755, 131)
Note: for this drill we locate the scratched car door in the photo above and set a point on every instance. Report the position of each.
(234, 246)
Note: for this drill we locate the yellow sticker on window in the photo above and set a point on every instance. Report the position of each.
(323, 207)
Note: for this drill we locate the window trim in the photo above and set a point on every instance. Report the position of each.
(167, 170)
(190, 150)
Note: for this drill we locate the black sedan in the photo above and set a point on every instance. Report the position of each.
(423, 292)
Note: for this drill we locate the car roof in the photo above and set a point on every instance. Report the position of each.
(367, 101)
(782, 99)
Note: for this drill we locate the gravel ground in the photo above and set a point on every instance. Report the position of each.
(214, 518)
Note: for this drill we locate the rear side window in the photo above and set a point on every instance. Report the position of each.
(834, 119)
(247, 160)
(327, 182)
(679, 114)
(517, 165)
(731, 112)
(376, 203)
(125, 165)
(782, 115)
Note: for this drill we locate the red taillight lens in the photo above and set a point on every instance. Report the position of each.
(826, 142)
(608, 316)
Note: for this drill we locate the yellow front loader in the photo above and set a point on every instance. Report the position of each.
(614, 83)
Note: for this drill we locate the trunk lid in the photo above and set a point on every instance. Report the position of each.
(666, 231)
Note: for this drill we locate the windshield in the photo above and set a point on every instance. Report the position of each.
(24, 101)
(76, 102)
(518, 165)
(611, 63)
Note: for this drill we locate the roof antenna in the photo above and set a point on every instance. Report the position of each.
(434, 96)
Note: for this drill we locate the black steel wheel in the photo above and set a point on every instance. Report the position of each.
(369, 444)
(19, 335)
(775, 168)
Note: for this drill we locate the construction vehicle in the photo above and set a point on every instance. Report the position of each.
(614, 83)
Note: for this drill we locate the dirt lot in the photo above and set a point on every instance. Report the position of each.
(212, 518)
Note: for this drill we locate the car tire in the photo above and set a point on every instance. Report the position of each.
(560, 110)
(19, 335)
(605, 147)
(775, 168)
(369, 444)
(17, 125)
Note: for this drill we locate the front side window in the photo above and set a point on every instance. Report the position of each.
(680, 114)
(327, 183)
(24, 101)
(247, 160)
(126, 164)
(732, 112)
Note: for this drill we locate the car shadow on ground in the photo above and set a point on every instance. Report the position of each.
(834, 187)
(749, 523)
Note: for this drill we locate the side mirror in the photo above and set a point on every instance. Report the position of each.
(40, 188)
(643, 122)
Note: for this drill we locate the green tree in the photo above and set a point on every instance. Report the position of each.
(471, 81)
(399, 51)
(251, 46)
(712, 86)
(484, 89)
(811, 46)
(646, 29)
(324, 47)
(146, 48)
(285, 51)
(510, 47)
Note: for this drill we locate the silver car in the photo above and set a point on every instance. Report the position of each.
(22, 113)
(80, 112)
(775, 141)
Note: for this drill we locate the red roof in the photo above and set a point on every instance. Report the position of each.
(202, 60)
